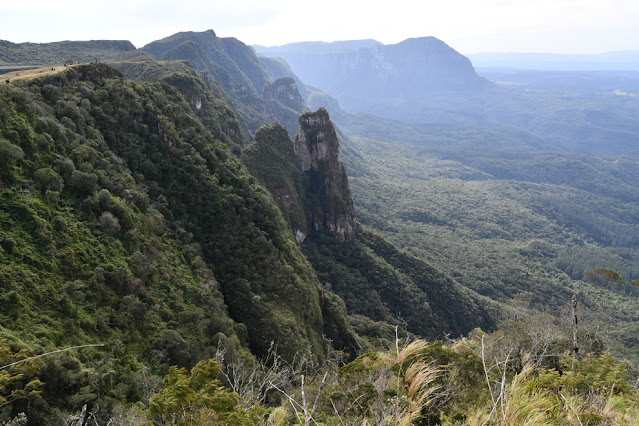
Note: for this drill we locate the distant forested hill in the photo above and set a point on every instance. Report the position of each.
(57, 53)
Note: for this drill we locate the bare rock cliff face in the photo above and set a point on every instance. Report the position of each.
(329, 205)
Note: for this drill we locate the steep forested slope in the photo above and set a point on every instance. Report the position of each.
(127, 223)
(236, 68)
(205, 97)
(377, 281)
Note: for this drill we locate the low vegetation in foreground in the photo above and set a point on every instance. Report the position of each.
(525, 373)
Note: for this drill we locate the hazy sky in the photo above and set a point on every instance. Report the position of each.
(469, 26)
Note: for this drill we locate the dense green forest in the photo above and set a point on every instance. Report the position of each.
(512, 226)
(13, 55)
(102, 242)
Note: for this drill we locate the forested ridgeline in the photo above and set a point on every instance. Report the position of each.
(126, 223)
(48, 54)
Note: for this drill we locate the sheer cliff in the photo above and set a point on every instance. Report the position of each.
(379, 284)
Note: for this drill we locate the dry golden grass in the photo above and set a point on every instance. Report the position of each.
(32, 73)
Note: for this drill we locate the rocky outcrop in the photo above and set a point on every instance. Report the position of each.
(286, 92)
(281, 101)
(329, 206)
(307, 180)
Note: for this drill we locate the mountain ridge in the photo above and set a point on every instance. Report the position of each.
(354, 70)
(238, 70)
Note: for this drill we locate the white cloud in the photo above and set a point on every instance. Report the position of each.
(467, 25)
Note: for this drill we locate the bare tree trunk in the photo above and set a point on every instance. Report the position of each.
(83, 415)
(307, 419)
(575, 346)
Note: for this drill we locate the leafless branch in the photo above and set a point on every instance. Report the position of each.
(49, 353)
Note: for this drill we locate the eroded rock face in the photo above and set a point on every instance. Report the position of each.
(311, 142)
(329, 205)
(305, 177)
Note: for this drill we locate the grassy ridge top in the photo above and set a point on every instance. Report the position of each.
(31, 72)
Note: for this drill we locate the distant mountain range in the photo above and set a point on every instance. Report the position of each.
(360, 72)
(624, 60)
(424, 81)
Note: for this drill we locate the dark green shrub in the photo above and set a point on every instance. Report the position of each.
(83, 183)
(109, 223)
(49, 179)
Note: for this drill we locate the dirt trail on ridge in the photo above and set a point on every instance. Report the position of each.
(32, 73)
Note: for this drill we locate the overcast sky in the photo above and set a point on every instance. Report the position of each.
(469, 26)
